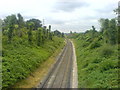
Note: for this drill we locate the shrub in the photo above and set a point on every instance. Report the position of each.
(19, 58)
(97, 60)
(108, 64)
(85, 44)
(95, 45)
(106, 51)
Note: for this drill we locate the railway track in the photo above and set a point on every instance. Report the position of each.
(60, 75)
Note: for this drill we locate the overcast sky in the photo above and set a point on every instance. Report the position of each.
(63, 15)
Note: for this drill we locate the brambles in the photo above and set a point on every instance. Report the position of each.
(106, 51)
(94, 45)
(97, 56)
(97, 64)
(39, 38)
(26, 45)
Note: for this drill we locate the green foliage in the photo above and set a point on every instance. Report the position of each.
(1, 23)
(58, 33)
(16, 26)
(30, 33)
(29, 46)
(21, 22)
(37, 23)
(10, 20)
(109, 30)
(104, 24)
(118, 35)
(93, 28)
(97, 62)
(10, 33)
(39, 39)
(49, 33)
(106, 51)
(63, 35)
(50, 36)
(19, 58)
(94, 45)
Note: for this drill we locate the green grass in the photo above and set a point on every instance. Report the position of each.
(97, 63)
(19, 58)
(0, 58)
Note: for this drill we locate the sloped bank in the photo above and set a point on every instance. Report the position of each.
(98, 66)
(20, 60)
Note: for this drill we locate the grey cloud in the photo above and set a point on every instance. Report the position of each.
(107, 9)
(69, 6)
(79, 26)
(30, 17)
(91, 18)
(2, 16)
(105, 12)
(58, 22)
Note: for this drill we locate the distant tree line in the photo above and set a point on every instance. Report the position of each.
(108, 31)
(15, 25)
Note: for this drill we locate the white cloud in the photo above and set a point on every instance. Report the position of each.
(64, 15)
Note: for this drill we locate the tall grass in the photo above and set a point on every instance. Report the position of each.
(20, 58)
(97, 63)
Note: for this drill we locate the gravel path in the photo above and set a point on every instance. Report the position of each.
(63, 74)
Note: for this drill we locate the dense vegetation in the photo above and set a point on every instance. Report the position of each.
(0, 54)
(25, 45)
(97, 56)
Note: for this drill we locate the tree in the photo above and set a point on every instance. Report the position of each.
(50, 36)
(1, 23)
(49, 33)
(45, 32)
(117, 11)
(57, 33)
(63, 35)
(31, 24)
(37, 23)
(93, 32)
(109, 30)
(21, 24)
(50, 27)
(10, 33)
(112, 32)
(104, 29)
(10, 20)
(93, 28)
(70, 32)
(39, 36)
(104, 24)
(20, 20)
(9, 23)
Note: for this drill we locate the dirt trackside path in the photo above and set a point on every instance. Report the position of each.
(75, 74)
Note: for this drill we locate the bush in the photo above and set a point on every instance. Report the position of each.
(19, 58)
(95, 45)
(106, 51)
(85, 44)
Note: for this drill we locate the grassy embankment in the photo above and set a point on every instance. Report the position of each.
(38, 75)
(97, 62)
(19, 59)
(0, 58)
